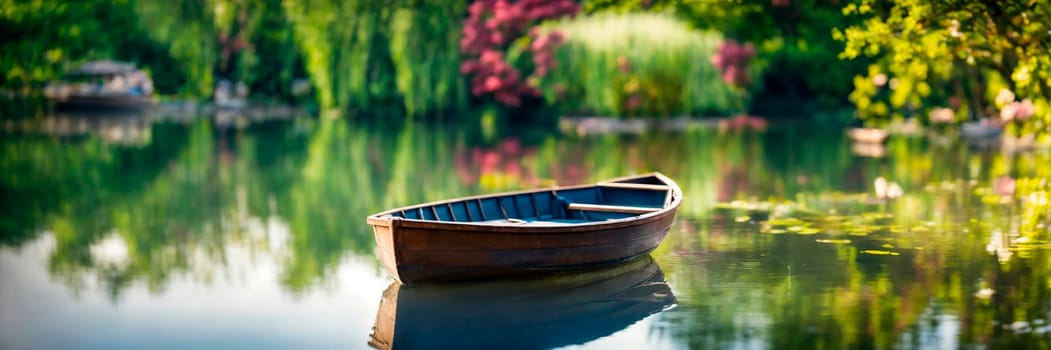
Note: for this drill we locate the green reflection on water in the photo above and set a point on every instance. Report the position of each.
(845, 269)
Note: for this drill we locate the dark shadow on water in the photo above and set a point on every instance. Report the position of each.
(526, 314)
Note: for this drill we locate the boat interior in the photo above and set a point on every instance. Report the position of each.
(600, 202)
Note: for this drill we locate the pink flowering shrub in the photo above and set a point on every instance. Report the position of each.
(732, 60)
(490, 28)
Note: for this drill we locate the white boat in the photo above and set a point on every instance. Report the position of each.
(102, 85)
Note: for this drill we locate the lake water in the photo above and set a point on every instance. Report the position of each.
(125, 232)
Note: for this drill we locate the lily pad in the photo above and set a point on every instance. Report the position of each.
(879, 252)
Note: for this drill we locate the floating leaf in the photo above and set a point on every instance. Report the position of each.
(786, 222)
(879, 252)
(808, 231)
(743, 218)
(833, 241)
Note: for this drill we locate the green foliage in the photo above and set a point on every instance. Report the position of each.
(800, 74)
(185, 45)
(636, 65)
(367, 54)
(386, 58)
(424, 50)
(42, 37)
(934, 54)
(188, 30)
(273, 61)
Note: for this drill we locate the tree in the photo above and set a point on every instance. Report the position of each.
(964, 54)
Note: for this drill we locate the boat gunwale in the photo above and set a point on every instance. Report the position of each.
(386, 218)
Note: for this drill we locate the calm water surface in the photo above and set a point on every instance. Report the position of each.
(225, 232)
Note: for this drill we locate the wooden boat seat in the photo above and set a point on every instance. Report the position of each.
(634, 186)
(612, 208)
(535, 223)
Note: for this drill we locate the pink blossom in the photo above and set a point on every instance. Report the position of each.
(507, 98)
(492, 83)
(623, 65)
(633, 103)
(879, 79)
(942, 115)
(1014, 110)
(539, 43)
(1004, 186)
(476, 9)
(557, 36)
(1004, 97)
(468, 66)
(491, 56)
(732, 59)
(490, 161)
(510, 146)
(1024, 109)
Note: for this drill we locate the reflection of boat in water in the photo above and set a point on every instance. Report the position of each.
(529, 232)
(539, 313)
(125, 127)
(102, 85)
(868, 135)
(872, 150)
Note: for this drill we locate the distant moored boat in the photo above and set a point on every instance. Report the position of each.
(102, 85)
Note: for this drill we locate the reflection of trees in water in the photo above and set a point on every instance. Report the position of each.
(349, 173)
(170, 207)
(786, 291)
(197, 197)
(180, 221)
(43, 176)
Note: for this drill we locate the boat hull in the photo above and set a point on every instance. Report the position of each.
(415, 253)
(421, 251)
(103, 103)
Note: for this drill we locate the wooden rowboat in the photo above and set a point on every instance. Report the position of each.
(528, 232)
(544, 313)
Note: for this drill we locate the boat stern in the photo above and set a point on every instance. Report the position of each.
(383, 228)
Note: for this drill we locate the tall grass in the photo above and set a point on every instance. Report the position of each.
(636, 64)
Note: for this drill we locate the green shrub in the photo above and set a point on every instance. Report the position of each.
(636, 65)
